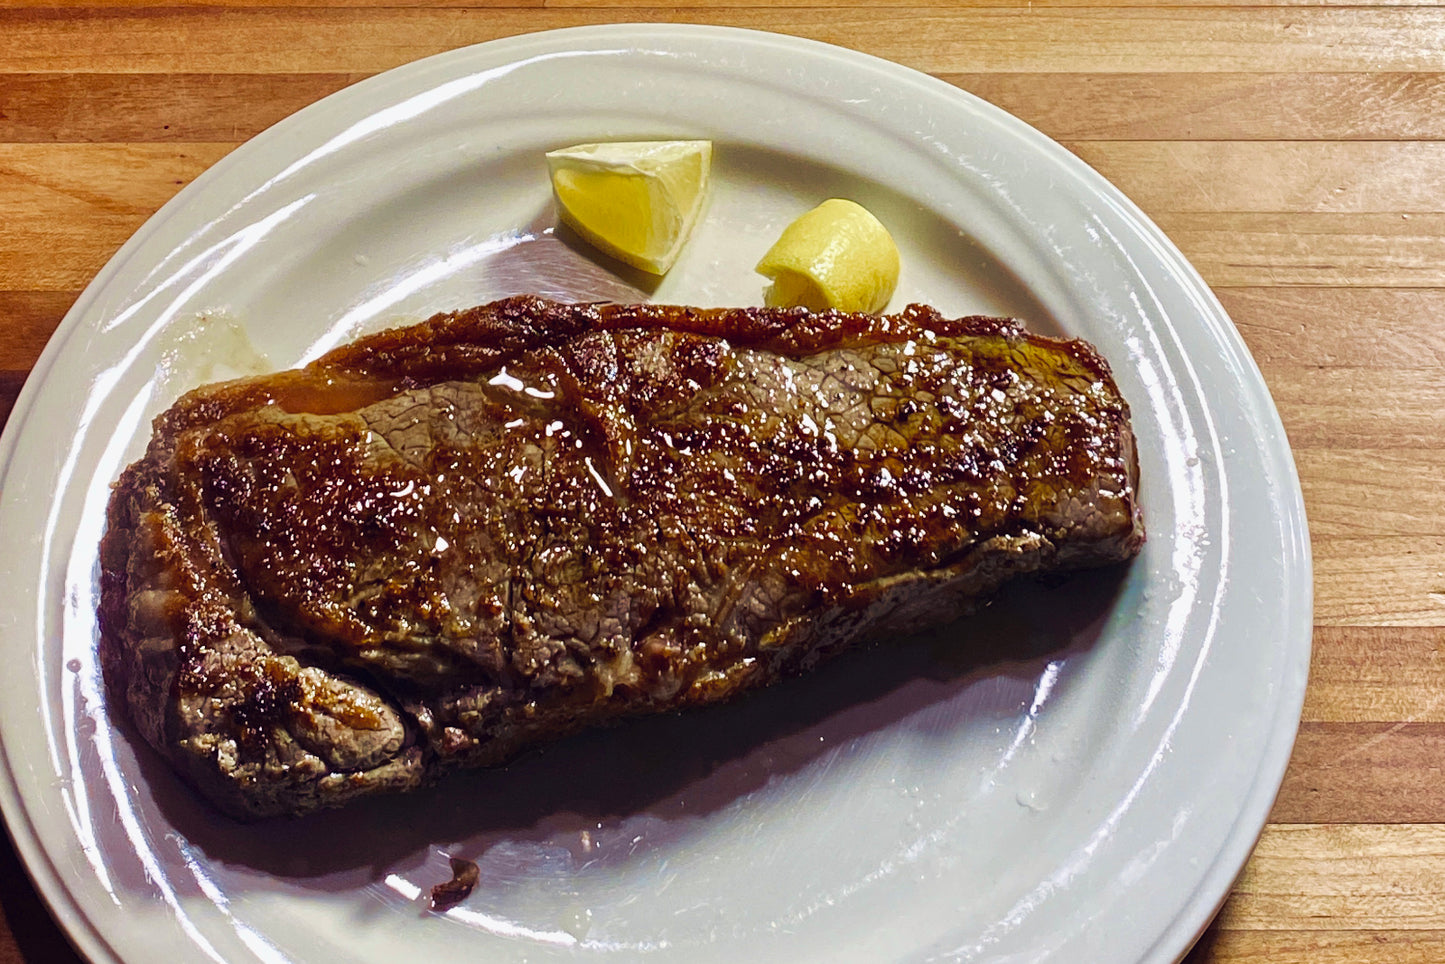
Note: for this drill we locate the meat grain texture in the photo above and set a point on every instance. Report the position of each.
(444, 543)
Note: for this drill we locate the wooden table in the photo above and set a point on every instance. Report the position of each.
(1292, 151)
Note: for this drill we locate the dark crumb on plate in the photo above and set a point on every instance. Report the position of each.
(454, 891)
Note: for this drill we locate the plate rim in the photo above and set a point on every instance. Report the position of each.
(1214, 885)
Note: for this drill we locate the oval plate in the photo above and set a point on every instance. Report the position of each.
(1076, 775)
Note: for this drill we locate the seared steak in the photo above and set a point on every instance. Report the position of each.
(440, 544)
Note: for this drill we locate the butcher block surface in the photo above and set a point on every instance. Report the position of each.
(1292, 151)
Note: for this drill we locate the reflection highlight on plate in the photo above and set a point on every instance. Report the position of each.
(199, 271)
(533, 260)
(406, 283)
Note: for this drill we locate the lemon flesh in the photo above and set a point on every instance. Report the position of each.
(837, 255)
(635, 200)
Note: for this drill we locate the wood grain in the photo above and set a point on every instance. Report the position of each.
(1328, 328)
(1285, 248)
(58, 107)
(1293, 149)
(27, 319)
(1314, 177)
(1320, 947)
(67, 208)
(939, 40)
(1377, 674)
(1362, 590)
(1219, 106)
(1374, 493)
(1371, 746)
(1380, 773)
(1304, 877)
(147, 108)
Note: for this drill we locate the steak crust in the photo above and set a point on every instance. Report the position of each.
(440, 544)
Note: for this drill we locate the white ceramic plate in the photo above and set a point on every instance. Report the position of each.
(1076, 776)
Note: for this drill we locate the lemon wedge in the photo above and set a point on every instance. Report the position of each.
(837, 255)
(635, 200)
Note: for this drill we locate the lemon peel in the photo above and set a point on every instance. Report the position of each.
(637, 201)
(838, 255)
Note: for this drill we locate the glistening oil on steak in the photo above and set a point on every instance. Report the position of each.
(441, 544)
